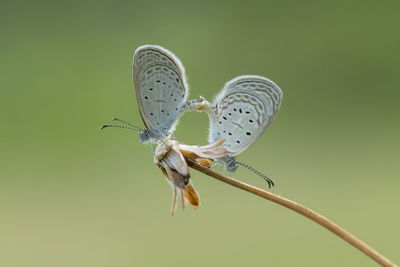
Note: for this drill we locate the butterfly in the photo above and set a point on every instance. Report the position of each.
(161, 91)
(240, 114)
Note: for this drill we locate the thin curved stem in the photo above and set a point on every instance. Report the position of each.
(331, 226)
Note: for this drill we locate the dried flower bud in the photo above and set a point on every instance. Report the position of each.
(170, 156)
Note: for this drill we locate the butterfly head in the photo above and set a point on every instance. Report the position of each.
(231, 165)
(145, 137)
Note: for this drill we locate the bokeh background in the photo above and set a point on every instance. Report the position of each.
(71, 195)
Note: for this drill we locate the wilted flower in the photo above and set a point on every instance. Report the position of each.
(170, 156)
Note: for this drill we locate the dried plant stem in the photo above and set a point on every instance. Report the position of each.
(331, 226)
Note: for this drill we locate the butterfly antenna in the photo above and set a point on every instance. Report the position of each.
(119, 126)
(128, 123)
(269, 181)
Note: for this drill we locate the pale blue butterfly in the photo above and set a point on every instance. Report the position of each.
(240, 114)
(161, 89)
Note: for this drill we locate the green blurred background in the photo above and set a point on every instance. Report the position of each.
(71, 195)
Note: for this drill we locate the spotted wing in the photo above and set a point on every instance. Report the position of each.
(243, 111)
(160, 86)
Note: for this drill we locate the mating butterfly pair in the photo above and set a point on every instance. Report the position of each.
(240, 113)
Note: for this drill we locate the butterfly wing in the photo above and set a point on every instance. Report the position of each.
(242, 111)
(161, 88)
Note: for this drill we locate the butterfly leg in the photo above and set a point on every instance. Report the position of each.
(218, 167)
(172, 135)
(153, 147)
(213, 165)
